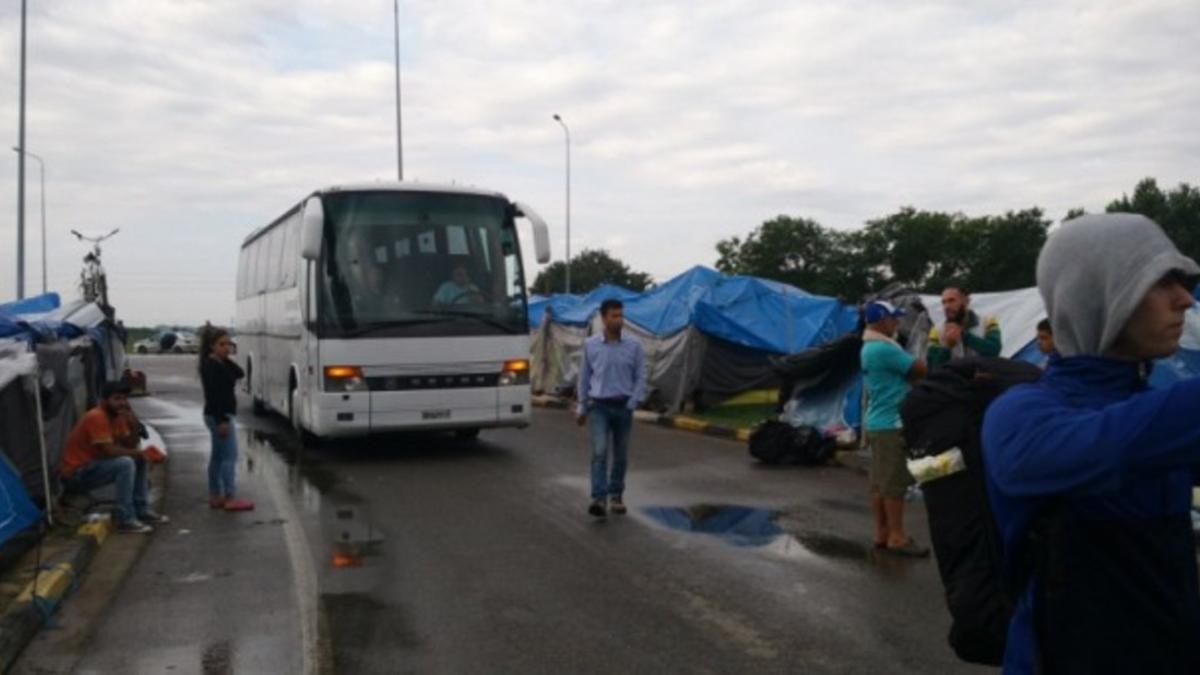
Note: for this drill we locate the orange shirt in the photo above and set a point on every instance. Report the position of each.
(94, 429)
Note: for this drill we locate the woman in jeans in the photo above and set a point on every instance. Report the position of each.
(219, 374)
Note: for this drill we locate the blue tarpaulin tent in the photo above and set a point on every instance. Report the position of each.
(706, 334)
(17, 512)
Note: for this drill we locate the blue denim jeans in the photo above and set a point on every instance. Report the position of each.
(129, 475)
(608, 429)
(222, 462)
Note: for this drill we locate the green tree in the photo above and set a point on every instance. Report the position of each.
(590, 269)
(1177, 211)
(796, 251)
(924, 250)
(1001, 252)
(920, 249)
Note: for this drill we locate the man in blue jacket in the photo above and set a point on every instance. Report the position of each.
(1090, 472)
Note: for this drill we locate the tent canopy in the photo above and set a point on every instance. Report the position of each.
(747, 311)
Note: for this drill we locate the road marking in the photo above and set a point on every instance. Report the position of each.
(302, 568)
(52, 584)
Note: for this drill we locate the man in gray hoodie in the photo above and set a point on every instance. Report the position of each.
(1090, 471)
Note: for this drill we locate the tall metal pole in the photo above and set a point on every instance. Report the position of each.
(567, 132)
(21, 169)
(42, 165)
(42, 200)
(399, 135)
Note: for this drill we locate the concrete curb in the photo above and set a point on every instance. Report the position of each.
(37, 603)
(698, 426)
(855, 460)
(681, 422)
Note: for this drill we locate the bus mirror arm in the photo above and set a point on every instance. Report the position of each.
(541, 233)
(312, 226)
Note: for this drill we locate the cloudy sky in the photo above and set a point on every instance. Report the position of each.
(187, 123)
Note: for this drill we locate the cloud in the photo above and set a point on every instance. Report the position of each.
(188, 124)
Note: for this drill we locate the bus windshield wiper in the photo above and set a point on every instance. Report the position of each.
(393, 323)
(482, 318)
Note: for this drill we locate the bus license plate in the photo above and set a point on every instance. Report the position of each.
(435, 415)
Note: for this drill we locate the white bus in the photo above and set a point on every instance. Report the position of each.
(389, 306)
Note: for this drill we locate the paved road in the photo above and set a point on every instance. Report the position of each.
(432, 555)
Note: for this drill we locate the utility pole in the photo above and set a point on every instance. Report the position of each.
(21, 168)
(399, 128)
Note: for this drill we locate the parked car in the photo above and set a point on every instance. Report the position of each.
(168, 342)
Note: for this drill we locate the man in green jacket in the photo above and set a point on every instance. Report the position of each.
(964, 333)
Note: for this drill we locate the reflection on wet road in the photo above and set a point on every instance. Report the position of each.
(449, 556)
(434, 555)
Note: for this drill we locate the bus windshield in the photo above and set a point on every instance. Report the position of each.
(420, 263)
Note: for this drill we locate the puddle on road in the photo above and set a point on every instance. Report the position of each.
(749, 527)
(736, 525)
(347, 535)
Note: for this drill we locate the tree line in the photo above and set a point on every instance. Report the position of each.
(928, 250)
(923, 250)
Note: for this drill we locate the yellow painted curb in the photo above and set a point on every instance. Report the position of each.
(690, 424)
(51, 584)
(98, 530)
(743, 435)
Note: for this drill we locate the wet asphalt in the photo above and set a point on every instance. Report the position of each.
(420, 553)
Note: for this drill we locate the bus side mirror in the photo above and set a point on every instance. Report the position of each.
(541, 233)
(312, 227)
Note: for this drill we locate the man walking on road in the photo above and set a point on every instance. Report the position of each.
(102, 450)
(1090, 470)
(963, 334)
(887, 370)
(612, 382)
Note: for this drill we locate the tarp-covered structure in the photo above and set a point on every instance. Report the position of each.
(707, 336)
(54, 357)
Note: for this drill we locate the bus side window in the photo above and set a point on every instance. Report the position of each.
(291, 252)
(241, 273)
(263, 261)
(274, 257)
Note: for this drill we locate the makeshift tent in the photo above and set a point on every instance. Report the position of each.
(706, 335)
(18, 439)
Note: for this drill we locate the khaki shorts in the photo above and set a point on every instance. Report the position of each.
(889, 464)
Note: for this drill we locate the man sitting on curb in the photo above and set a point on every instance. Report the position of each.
(102, 449)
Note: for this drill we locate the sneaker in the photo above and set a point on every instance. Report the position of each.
(239, 505)
(597, 509)
(216, 502)
(617, 505)
(134, 527)
(153, 518)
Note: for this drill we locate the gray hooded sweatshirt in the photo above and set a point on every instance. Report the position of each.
(1093, 273)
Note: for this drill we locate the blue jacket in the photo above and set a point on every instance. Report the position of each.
(1104, 466)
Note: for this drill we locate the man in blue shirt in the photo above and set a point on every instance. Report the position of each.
(1090, 471)
(612, 382)
(887, 369)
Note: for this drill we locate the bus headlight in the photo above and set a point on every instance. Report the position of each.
(515, 372)
(344, 379)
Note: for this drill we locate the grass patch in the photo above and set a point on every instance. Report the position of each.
(738, 416)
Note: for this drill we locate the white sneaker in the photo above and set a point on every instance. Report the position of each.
(134, 527)
(153, 518)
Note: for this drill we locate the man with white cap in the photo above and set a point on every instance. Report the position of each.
(1090, 471)
(887, 371)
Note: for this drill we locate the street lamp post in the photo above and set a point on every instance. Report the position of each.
(567, 131)
(399, 136)
(21, 169)
(42, 200)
